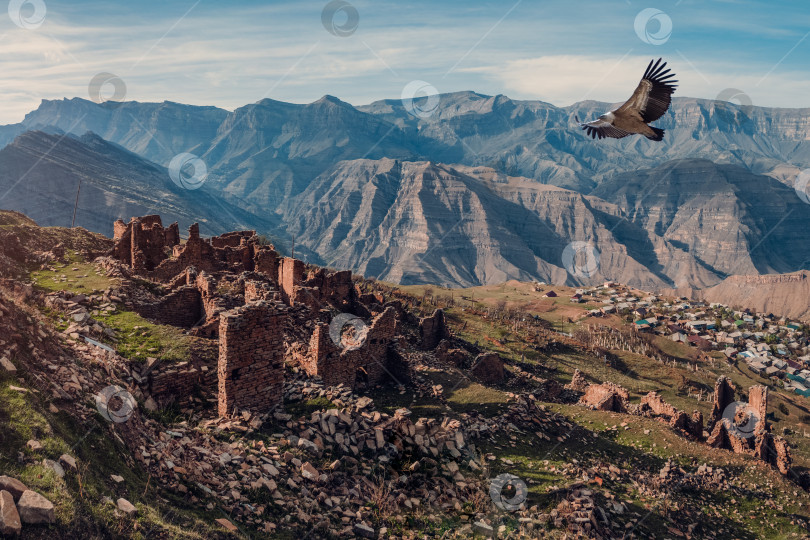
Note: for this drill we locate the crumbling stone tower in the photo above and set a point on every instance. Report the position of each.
(251, 357)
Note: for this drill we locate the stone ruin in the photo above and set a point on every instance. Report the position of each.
(261, 308)
(756, 440)
(606, 397)
(488, 368)
(690, 425)
(367, 363)
(433, 329)
(251, 357)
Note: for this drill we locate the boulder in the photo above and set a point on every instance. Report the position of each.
(13, 486)
(9, 517)
(34, 508)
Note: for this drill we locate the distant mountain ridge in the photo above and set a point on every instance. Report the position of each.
(40, 175)
(266, 151)
(470, 194)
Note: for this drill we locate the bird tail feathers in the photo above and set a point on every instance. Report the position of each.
(658, 134)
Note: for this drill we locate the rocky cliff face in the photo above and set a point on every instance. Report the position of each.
(412, 222)
(731, 220)
(365, 187)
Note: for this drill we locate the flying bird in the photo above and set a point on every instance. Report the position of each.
(647, 104)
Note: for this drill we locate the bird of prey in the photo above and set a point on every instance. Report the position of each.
(648, 103)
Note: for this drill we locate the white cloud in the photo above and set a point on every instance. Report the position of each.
(566, 79)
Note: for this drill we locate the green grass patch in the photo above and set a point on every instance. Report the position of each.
(76, 275)
(138, 338)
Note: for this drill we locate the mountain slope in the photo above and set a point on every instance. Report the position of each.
(412, 222)
(40, 175)
(732, 220)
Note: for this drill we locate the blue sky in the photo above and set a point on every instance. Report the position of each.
(229, 54)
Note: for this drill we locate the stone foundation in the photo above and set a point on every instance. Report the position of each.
(606, 397)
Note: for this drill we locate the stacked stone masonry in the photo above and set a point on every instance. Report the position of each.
(366, 364)
(433, 329)
(251, 358)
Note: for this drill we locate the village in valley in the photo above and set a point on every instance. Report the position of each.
(771, 346)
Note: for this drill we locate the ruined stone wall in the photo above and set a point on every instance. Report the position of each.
(693, 426)
(367, 363)
(606, 397)
(258, 290)
(488, 368)
(143, 242)
(179, 382)
(433, 329)
(250, 370)
(144, 245)
(758, 403)
(290, 275)
(266, 261)
(232, 239)
(182, 307)
(723, 396)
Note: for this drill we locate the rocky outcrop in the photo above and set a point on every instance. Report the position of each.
(784, 295)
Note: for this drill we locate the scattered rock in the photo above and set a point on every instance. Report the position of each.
(13, 486)
(482, 528)
(54, 466)
(126, 507)
(35, 446)
(6, 364)
(34, 508)
(227, 524)
(68, 461)
(309, 472)
(9, 517)
(364, 531)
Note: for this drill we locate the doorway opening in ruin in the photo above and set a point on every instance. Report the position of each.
(361, 378)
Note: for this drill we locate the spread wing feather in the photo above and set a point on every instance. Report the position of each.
(601, 129)
(653, 94)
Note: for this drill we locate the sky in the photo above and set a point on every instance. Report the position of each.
(229, 54)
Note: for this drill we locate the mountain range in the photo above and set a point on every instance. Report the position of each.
(484, 189)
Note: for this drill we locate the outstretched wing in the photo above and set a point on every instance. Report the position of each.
(602, 129)
(653, 94)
